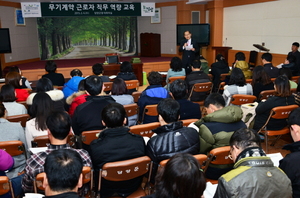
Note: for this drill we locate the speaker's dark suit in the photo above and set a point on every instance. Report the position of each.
(188, 56)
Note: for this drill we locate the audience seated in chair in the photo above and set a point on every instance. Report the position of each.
(216, 128)
(77, 98)
(289, 164)
(196, 76)
(25, 82)
(14, 79)
(181, 177)
(9, 101)
(176, 69)
(72, 85)
(99, 71)
(261, 81)
(40, 109)
(242, 64)
(57, 79)
(188, 109)
(87, 116)
(126, 73)
(115, 143)
(254, 174)
(218, 68)
(171, 137)
(287, 72)
(266, 59)
(56, 182)
(152, 95)
(59, 127)
(283, 97)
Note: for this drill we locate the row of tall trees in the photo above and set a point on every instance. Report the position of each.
(59, 34)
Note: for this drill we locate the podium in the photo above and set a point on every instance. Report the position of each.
(222, 50)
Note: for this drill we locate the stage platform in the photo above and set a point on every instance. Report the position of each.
(34, 70)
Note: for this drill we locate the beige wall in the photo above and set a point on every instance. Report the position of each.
(24, 39)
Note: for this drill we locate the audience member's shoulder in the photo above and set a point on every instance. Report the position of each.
(29, 99)
(55, 95)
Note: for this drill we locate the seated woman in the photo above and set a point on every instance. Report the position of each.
(14, 79)
(126, 73)
(237, 85)
(9, 101)
(57, 79)
(120, 94)
(175, 69)
(282, 97)
(77, 98)
(218, 68)
(181, 177)
(261, 81)
(25, 83)
(12, 131)
(41, 107)
(288, 73)
(57, 96)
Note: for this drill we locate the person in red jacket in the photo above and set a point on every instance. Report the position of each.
(15, 79)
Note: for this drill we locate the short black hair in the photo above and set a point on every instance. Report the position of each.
(63, 168)
(154, 78)
(196, 64)
(119, 87)
(294, 117)
(113, 115)
(81, 85)
(59, 124)
(2, 110)
(176, 64)
(126, 67)
(296, 44)
(178, 88)
(76, 72)
(97, 69)
(44, 84)
(93, 85)
(244, 138)
(214, 99)
(50, 66)
(240, 56)
(8, 93)
(267, 56)
(169, 109)
(237, 77)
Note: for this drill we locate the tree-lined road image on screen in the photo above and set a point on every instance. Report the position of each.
(86, 37)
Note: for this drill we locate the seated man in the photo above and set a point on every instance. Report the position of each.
(98, 71)
(152, 95)
(87, 116)
(196, 76)
(171, 137)
(254, 174)
(116, 144)
(57, 183)
(188, 109)
(289, 164)
(59, 127)
(216, 128)
(266, 59)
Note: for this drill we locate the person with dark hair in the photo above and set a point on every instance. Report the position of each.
(57, 79)
(171, 137)
(188, 109)
(9, 101)
(98, 70)
(282, 97)
(189, 48)
(45, 85)
(87, 116)
(266, 59)
(204, 64)
(240, 62)
(196, 76)
(14, 79)
(295, 52)
(287, 72)
(261, 81)
(254, 174)
(218, 68)
(237, 85)
(180, 178)
(216, 128)
(152, 95)
(25, 83)
(59, 128)
(77, 98)
(126, 73)
(116, 143)
(120, 94)
(290, 63)
(72, 85)
(289, 163)
(57, 183)
(175, 69)
(40, 109)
